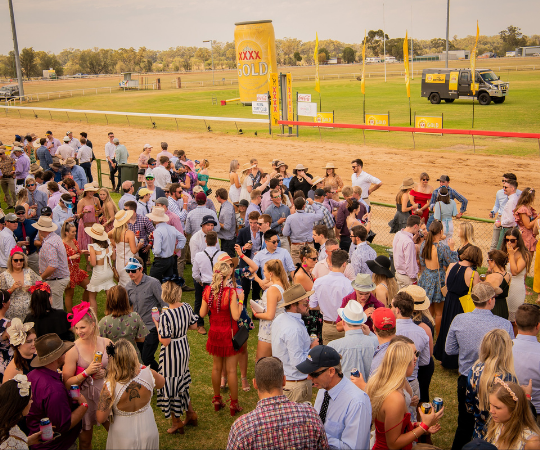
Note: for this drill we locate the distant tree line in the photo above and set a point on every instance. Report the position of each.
(289, 51)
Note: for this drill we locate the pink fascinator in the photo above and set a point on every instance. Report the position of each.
(16, 249)
(78, 313)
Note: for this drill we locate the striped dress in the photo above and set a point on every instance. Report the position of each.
(174, 360)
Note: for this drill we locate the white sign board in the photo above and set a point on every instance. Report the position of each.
(262, 97)
(307, 109)
(304, 98)
(260, 108)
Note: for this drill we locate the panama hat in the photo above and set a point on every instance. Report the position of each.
(330, 166)
(317, 180)
(158, 215)
(381, 266)
(90, 187)
(353, 313)
(70, 162)
(407, 183)
(421, 300)
(294, 294)
(363, 283)
(122, 217)
(97, 232)
(300, 167)
(247, 166)
(45, 223)
(35, 168)
(49, 348)
(281, 163)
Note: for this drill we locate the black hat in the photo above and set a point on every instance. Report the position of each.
(320, 356)
(151, 161)
(444, 178)
(46, 211)
(243, 202)
(20, 208)
(478, 444)
(208, 219)
(381, 266)
(319, 193)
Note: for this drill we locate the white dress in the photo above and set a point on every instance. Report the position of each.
(123, 253)
(265, 326)
(516, 293)
(17, 440)
(133, 430)
(234, 193)
(102, 275)
(244, 194)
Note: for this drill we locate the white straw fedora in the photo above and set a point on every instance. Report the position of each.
(158, 215)
(421, 300)
(45, 224)
(97, 232)
(122, 217)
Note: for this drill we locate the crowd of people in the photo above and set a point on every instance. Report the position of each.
(289, 250)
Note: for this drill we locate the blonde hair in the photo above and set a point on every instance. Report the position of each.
(10, 261)
(117, 232)
(91, 319)
(417, 316)
(391, 285)
(171, 293)
(222, 270)
(390, 376)
(466, 231)
(275, 267)
(65, 228)
(108, 199)
(22, 197)
(122, 367)
(498, 358)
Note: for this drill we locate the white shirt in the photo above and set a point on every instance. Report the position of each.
(164, 153)
(203, 269)
(65, 151)
(329, 293)
(507, 216)
(84, 154)
(321, 269)
(7, 243)
(161, 177)
(110, 150)
(75, 144)
(197, 244)
(364, 180)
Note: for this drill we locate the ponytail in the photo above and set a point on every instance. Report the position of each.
(435, 228)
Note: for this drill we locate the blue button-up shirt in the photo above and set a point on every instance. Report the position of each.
(166, 238)
(407, 328)
(38, 198)
(126, 198)
(328, 218)
(501, 199)
(228, 218)
(348, 418)
(453, 195)
(299, 226)
(253, 207)
(277, 213)
(44, 156)
(526, 351)
(59, 216)
(262, 257)
(79, 176)
(290, 343)
(360, 256)
(466, 333)
(378, 357)
(356, 350)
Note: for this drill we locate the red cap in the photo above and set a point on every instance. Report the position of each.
(383, 319)
(200, 197)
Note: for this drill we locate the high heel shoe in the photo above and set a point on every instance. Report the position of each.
(234, 407)
(217, 402)
(191, 419)
(248, 388)
(177, 426)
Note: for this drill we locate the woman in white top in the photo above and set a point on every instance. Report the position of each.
(275, 277)
(100, 255)
(236, 187)
(444, 209)
(247, 182)
(127, 394)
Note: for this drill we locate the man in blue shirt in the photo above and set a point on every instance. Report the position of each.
(464, 338)
(77, 172)
(344, 409)
(43, 155)
(25, 235)
(501, 199)
(454, 195)
(272, 251)
(279, 213)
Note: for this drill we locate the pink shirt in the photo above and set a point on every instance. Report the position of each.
(266, 201)
(54, 199)
(164, 153)
(174, 221)
(321, 269)
(405, 254)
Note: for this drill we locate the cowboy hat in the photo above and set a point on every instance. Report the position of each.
(330, 166)
(88, 187)
(97, 232)
(158, 215)
(353, 313)
(248, 166)
(35, 168)
(363, 283)
(122, 217)
(421, 300)
(294, 294)
(381, 266)
(407, 183)
(49, 348)
(45, 223)
(70, 162)
(56, 165)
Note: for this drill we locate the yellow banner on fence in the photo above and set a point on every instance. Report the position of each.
(474, 85)
(435, 78)
(428, 122)
(406, 60)
(274, 98)
(453, 83)
(290, 110)
(381, 120)
(316, 58)
(324, 117)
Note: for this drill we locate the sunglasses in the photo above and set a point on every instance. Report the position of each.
(273, 242)
(316, 374)
(277, 196)
(30, 184)
(511, 240)
(17, 260)
(314, 258)
(425, 179)
(354, 167)
(131, 270)
(417, 353)
(260, 223)
(489, 259)
(21, 213)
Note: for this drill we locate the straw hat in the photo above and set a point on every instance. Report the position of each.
(301, 167)
(281, 163)
(35, 168)
(330, 166)
(88, 187)
(353, 313)
(97, 232)
(421, 300)
(45, 223)
(294, 294)
(158, 215)
(70, 162)
(36, 143)
(363, 283)
(317, 180)
(407, 183)
(49, 348)
(248, 166)
(122, 217)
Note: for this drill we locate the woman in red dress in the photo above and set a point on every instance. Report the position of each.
(77, 276)
(222, 302)
(422, 195)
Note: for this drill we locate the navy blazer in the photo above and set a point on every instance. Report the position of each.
(244, 235)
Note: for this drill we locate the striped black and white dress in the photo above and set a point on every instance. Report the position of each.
(174, 360)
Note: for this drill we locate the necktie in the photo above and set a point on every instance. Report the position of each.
(324, 407)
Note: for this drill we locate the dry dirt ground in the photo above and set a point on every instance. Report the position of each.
(477, 177)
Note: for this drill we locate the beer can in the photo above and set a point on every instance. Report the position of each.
(355, 373)
(313, 337)
(155, 313)
(437, 404)
(165, 308)
(75, 391)
(45, 426)
(98, 357)
(426, 408)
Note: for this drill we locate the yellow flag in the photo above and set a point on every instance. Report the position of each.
(406, 61)
(316, 57)
(363, 82)
(474, 85)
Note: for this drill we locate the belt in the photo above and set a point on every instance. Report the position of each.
(329, 322)
(299, 243)
(166, 257)
(296, 381)
(54, 279)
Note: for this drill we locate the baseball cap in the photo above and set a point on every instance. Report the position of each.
(149, 174)
(144, 191)
(133, 264)
(11, 217)
(444, 178)
(319, 192)
(20, 208)
(46, 211)
(243, 202)
(48, 133)
(162, 201)
(68, 132)
(116, 141)
(482, 292)
(320, 356)
(66, 139)
(383, 319)
(208, 219)
(201, 197)
(147, 146)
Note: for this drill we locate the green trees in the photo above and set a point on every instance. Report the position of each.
(512, 37)
(349, 55)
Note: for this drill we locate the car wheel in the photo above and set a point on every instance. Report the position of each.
(435, 98)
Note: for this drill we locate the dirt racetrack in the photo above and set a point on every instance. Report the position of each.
(477, 177)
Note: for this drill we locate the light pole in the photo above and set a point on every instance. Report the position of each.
(16, 50)
(447, 28)
(212, 53)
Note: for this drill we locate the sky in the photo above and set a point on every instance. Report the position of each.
(159, 25)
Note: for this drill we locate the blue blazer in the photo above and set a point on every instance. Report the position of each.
(244, 235)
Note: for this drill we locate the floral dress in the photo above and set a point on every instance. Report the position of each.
(76, 274)
(20, 299)
(6, 350)
(433, 280)
(526, 234)
(16, 440)
(143, 159)
(129, 327)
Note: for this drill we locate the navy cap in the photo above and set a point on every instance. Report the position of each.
(319, 193)
(320, 356)
(243, 202)
(46, 211)
(479, 444)
(208, 219)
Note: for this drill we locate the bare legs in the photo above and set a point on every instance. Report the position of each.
(436, 310)
(70, 291)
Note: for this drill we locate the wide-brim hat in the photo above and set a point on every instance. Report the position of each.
(36, 144)
(122, 217)
(300, 167)
(421, 300)
(208, 219)
(90, 187)
(330, 166)
(294, 294)
(280, 164)
(45, 223)
(407, 183)
(35, 168)
(49, 348)
(70, 162)
(247, 166)
(363, 283)
(189, 164)
(158, 215)
(317, 180)
(353, 313)
(381, 266)
(97, 232)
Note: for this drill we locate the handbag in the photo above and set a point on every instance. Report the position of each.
(443, 289)
(240, 337)
(466, 301)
